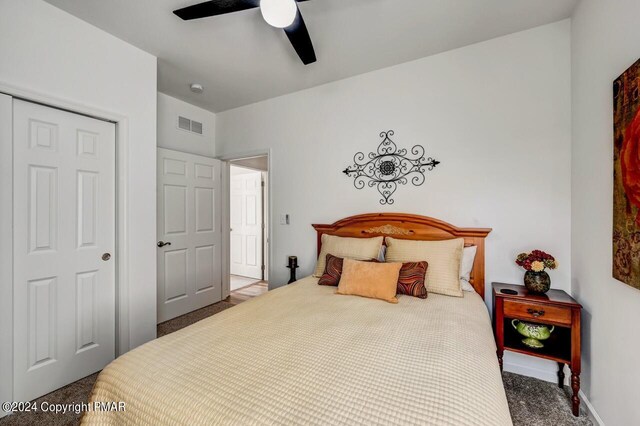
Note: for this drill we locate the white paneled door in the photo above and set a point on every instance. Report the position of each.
(246, 223)
(189, 258)
(64, 240)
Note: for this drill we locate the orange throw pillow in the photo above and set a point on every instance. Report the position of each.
(369, 279)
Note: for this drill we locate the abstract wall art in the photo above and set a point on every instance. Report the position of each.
(626, 177)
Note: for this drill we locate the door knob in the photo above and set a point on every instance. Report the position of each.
(106, 256)
(162, 243)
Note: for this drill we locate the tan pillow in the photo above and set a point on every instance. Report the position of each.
(352, 248)
(444, 257)
(370, 279)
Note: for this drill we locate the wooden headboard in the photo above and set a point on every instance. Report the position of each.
(410, 227)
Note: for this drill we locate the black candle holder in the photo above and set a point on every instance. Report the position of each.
(293, 265)
(293, 274)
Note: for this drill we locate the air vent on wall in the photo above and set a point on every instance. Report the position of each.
(189, 125)
(196, 127)
(184, 123)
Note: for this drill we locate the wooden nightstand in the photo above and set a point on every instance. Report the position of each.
(555, 308)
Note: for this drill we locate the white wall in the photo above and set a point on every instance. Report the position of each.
(605, 42)
(496, 114)
(171, 137)
(49, 52)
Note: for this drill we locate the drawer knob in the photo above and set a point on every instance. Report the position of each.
(535, 312)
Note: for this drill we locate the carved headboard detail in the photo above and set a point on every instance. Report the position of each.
(388, 230)
(411, 227)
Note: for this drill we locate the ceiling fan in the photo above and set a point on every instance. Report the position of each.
(278, 13)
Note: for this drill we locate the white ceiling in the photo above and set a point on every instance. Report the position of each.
(241, 60)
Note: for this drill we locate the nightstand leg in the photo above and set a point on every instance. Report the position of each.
(561, 375)
(500, 353)
(575, 387)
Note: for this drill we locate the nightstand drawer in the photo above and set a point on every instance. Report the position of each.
(534, 311)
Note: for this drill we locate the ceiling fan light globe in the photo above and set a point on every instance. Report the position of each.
(279, 13)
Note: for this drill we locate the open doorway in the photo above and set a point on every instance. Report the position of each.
(248, 219)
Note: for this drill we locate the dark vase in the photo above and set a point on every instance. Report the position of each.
(537, 282)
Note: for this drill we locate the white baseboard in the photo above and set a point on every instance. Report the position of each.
(523, 370)
(591, 411)
(549, 376)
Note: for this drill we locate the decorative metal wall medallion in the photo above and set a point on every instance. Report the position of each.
(389, 167)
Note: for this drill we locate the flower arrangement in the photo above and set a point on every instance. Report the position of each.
(536, 261)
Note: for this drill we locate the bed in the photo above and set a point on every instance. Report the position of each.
(302, 355)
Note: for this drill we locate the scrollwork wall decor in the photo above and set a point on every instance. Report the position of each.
(389, 167)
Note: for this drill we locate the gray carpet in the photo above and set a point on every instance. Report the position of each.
(532, 402)
(191, 318)
(79, 391)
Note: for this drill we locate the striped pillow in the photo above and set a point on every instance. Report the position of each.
(411, 279)
(332, 271)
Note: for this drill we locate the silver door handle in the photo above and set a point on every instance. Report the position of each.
(106, 256)
(162, 243)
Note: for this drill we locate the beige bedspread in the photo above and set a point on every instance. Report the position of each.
(302, 355)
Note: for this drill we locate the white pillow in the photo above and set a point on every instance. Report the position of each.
(466, 265)
(382, 253)
(466, 286)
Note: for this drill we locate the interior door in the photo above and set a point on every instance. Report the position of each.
(246, 223)
(189, 257)
(64, 240)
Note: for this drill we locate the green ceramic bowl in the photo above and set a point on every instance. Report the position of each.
(534, 333)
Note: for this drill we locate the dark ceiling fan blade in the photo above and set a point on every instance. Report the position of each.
(300, 39)
(215, 7)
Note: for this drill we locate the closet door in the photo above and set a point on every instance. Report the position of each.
(64, 240)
